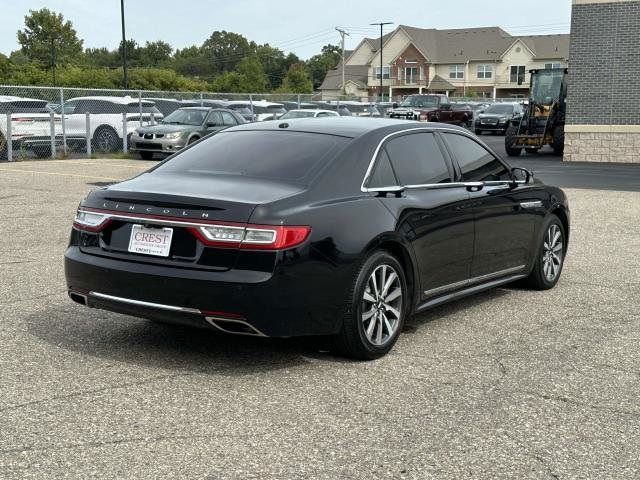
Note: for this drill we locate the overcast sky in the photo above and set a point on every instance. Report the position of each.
(300, 26)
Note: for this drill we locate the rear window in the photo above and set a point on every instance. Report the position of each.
(24, 106)
(277, 155)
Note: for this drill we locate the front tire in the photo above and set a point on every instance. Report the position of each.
(558, 140)
(550, 255)
(376, 309)
(509, 141)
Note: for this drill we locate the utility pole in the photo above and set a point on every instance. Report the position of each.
(124, 47)
(381, 25)
(342, 34)
(53, 59)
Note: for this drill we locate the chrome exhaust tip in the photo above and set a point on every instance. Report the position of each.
(78, 298)
(234, 326)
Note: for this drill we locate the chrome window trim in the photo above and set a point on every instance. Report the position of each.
(399, 188)
(474, 280)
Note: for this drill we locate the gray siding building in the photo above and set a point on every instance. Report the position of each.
(603, 102)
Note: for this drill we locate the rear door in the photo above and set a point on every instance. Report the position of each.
(433, 214)
(503, 228)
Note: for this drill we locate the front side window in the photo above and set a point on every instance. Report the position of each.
(552, 65)
(456, 71)
(485, 71)
(228, 119)
(386, 72)
(416, 159)
(476, 163)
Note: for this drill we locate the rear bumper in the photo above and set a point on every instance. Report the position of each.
(286, 303)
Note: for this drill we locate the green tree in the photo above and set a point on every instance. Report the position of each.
(102, 57)
(191, 61)
(155, 54)
(5, 68)
(249, 78)
(225, 50)
(134, 53)
(320, 64)
(297, 80)
(47, 34)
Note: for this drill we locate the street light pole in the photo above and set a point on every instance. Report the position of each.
(124, 47)
(381, 25)
(53, 59)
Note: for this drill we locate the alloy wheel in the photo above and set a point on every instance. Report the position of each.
(552, 253)
(382, 305)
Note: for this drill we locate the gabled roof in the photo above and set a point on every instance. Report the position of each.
(352, 73)
(484, 43)
(548, 46)
(440, 84)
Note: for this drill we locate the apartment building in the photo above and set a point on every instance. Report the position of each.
(485, 62)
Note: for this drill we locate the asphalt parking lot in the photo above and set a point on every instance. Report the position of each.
(507, 384)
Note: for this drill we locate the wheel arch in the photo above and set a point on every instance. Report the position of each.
(560, 212)
(403, 254)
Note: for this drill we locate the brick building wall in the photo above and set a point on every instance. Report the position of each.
(603, 123)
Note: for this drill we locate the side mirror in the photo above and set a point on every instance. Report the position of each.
(395, 105)
(445, 106)
(212, 125)
(522, 175)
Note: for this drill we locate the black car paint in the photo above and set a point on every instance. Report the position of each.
(304, 290)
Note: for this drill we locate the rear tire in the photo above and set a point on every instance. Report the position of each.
(509, 140)
(4, 151)
(106, 139)
(376, 309)
(558, 140)
(146, 155)
(550, 255)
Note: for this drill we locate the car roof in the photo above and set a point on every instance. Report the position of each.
(312, 110)
(343, 126)
(11, 98)
(121, 100)
(257, 103)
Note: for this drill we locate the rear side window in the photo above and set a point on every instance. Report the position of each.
(417, 159)
(476, 162)
(382, 174)
(278, 155)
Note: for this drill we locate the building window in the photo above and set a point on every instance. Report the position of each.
(411, 60)
(485, 71)
(386, 72)
(456, 71)
(553, 65)
(517, 74)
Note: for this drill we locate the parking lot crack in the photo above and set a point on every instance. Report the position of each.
(93, 391)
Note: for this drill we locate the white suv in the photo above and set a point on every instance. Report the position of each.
(30, 125)
(106, 124)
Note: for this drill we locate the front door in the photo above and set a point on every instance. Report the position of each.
(503, 228)
(433, 215)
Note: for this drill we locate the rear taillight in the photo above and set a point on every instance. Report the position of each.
(252, 237)
(90, 221)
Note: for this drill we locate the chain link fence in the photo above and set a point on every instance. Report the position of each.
(49, 122)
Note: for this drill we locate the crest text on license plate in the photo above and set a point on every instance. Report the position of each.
(150, 241)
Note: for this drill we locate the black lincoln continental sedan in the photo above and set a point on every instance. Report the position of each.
(341, 227)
